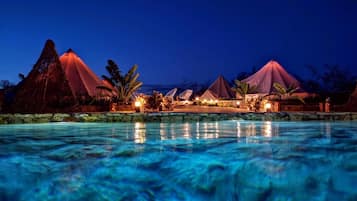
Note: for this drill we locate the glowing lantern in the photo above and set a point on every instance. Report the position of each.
(267, 106)
(137, 103)
(238, 104)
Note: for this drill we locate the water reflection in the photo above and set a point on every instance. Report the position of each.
(266, 129)
(163, 134)
(173, 131)
(211, 130)
(198, 130)
(238, 129)
(250, 130)
(327, 129)
(186, 130)
(140, 132)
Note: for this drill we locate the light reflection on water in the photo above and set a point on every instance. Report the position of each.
(140, 132)
(211, 130)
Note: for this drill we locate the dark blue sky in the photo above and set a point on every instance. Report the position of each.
(176, 41)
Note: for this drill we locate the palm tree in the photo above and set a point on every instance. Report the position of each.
(125, 84)
(243, 88)
(283, 92)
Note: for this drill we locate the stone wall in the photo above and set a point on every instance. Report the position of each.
(174, 117)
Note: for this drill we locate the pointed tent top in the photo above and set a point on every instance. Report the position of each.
(82, 80)
(45, 84)
(270, 73)
(272, 64)
(49, 50)
(50, 43)
(71, 52)
(219, 89)
(48, 55)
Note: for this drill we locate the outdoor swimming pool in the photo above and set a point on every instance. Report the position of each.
(225, 160)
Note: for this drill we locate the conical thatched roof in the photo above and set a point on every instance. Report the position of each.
(219, 89)
(82, 80)
(46, 88)
(269, 74)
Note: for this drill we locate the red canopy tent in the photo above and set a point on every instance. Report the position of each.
(271, 73)
(82, 80)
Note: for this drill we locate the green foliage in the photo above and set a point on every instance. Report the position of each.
(243, 88)
(283, 92)
(126, 84)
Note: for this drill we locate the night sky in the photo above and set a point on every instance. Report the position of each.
(181, 41)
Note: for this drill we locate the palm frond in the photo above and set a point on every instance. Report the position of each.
(126, 84)
(279, 88)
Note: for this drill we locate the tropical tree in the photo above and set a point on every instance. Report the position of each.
(126, 84)
(284, 93)
(243, 88)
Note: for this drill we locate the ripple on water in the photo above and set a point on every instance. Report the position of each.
(226, 160)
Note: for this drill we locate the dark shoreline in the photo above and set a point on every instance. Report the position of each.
(174, 117)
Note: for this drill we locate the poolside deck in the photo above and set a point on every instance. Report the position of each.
(207, 109)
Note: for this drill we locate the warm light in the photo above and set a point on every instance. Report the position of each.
(267, 106)
(238, 102)
(137, 104)
(216, 101)
(139, 101)
(140, 133)
(267, 129)
(197, 98)
(204, 100)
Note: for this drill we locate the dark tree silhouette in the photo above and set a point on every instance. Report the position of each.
(125, 84)
(333, 81)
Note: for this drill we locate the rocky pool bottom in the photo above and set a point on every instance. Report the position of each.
(175, 117)
(217, 160)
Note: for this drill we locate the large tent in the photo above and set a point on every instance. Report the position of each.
(271, 73)
(82, 80)
(46, 88)
(219, 89)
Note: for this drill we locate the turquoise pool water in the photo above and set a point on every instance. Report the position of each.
(225, 160)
